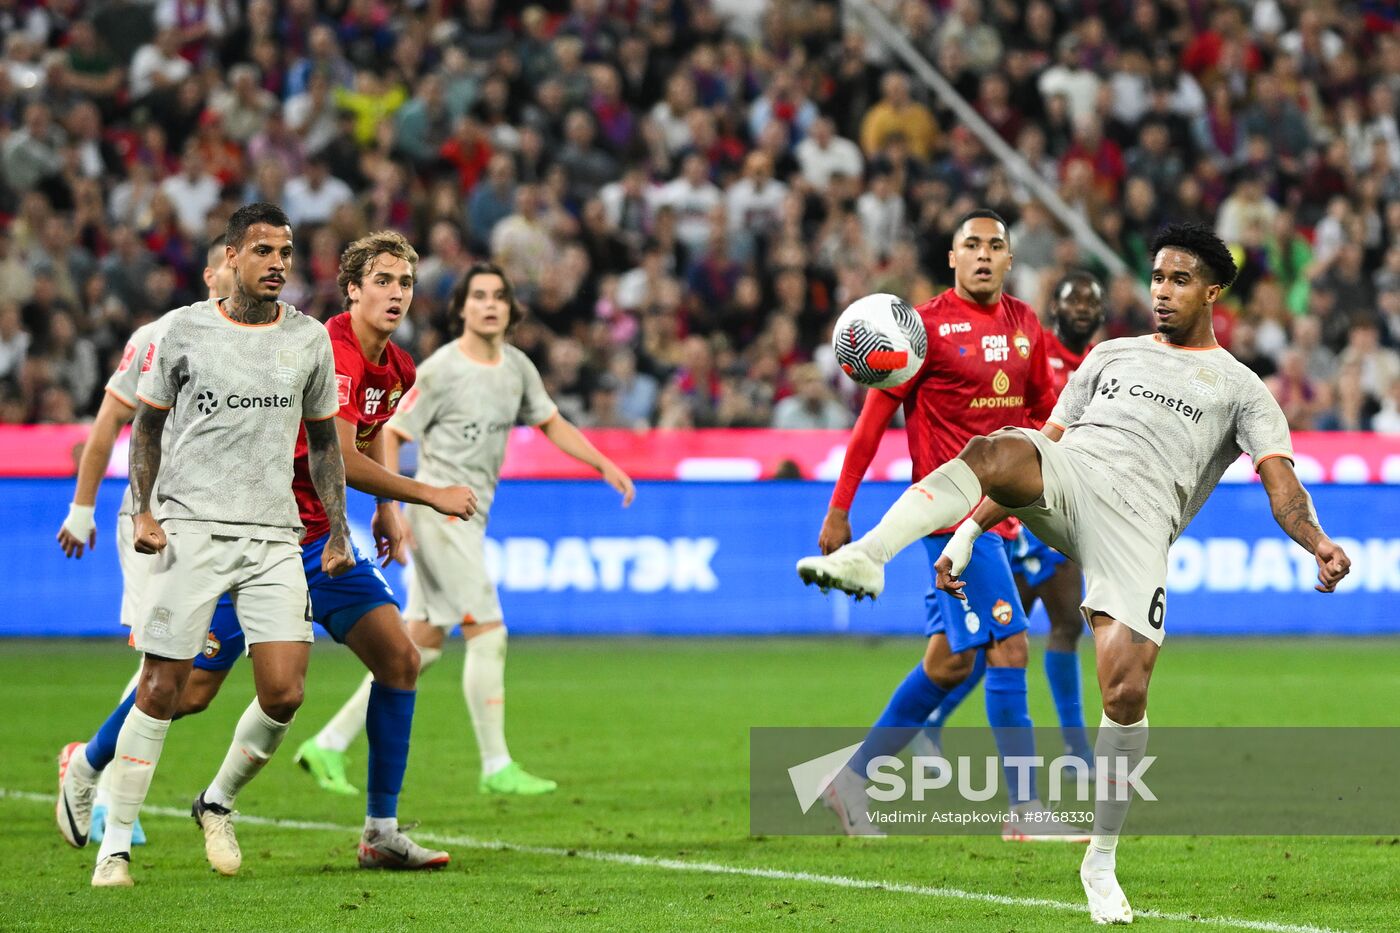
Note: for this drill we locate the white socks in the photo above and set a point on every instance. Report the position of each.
(254, 741)
(138, 751)
(104, 780)
(936, 501)
(349, 720)
(484, 684)
(1115, 742)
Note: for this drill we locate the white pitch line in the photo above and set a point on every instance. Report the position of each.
(715, 868)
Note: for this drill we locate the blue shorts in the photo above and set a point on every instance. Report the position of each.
(337, 603)
(1033, 560)
(993, 608)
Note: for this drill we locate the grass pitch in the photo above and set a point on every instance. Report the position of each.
(649, 831)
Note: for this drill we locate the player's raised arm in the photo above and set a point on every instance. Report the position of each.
(875, 416)
(78, 530)
(1294, 512)
(566, 437)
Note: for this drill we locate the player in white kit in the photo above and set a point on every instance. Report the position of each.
(79, 533)
(246, 372)
(469, 395)
(1136, 444)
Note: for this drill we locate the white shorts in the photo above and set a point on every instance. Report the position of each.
(265, 579)
(1124, 558)
(136, 570)
(448, 584)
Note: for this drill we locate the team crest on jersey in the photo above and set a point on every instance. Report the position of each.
(1205, 382)
(1001, 382)
(128, 356)
(1022, 343)
(394, 395)
(1001, 611)
(288, 366)
(211, 645)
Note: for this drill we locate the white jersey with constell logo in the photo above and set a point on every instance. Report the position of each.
(1162, 423)
(140, 349)
(242, 392)
(461, 412)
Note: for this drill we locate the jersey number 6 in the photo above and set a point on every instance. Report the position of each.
(1157, 612)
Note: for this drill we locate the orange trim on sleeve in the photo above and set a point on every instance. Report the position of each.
(318, 420)
(1260, 461)
(552, 415)
(119, 397)
(153, 404)
(1055, 424)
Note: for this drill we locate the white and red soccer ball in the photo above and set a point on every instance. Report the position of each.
(880, 341)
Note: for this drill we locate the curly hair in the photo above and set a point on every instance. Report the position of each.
(1200, 241)
(360, 255)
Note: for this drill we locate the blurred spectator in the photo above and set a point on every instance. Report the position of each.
(824, 154)
(898, 112)
(812, 406)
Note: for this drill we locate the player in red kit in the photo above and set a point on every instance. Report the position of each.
(1076, 312)
(986, 368)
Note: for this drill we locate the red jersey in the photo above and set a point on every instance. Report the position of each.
(1063, 363)
(986, 369)
(367, 393)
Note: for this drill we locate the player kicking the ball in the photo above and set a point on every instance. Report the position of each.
(1145, 429)
(469, 394)
(986, 367)
(1076, 311)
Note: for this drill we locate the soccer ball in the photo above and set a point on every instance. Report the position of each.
(880, 341)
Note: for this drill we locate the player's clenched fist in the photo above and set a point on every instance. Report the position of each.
(1332, 565)
(147, 535)
(458, 501)
(336, 557)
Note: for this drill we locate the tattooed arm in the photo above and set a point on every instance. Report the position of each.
(1293, 510)
(328, 476)
(147, 535)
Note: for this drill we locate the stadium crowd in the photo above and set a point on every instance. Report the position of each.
(686, 192)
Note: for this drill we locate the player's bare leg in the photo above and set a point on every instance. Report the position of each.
(138, 752)
(1125, 660)
(1004, 466)
(279, 676)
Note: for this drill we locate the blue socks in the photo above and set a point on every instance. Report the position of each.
(102, 747)
(1011, 723)
(388, 722)
(1062, 671)
(909, 706)
(955, 697)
